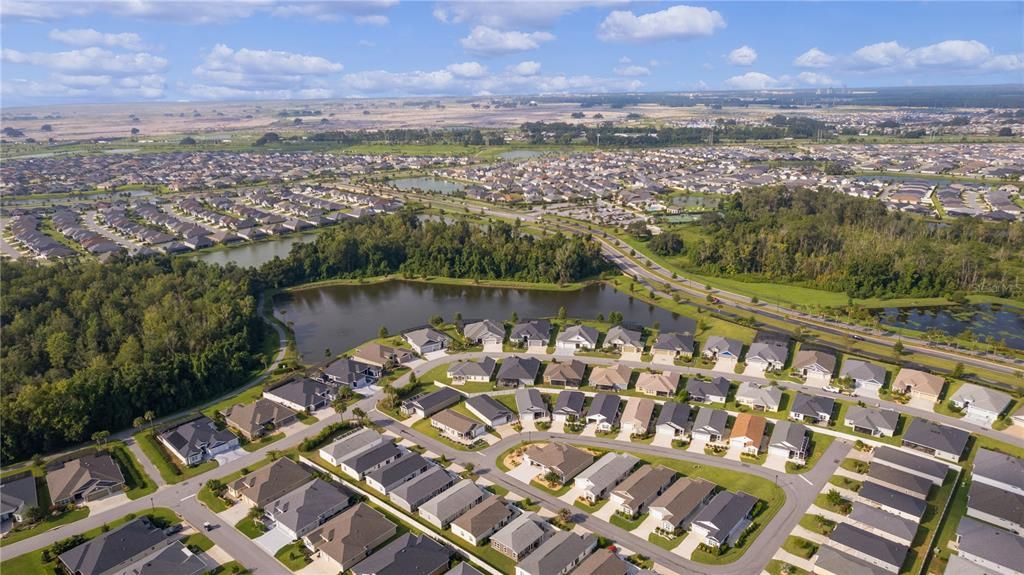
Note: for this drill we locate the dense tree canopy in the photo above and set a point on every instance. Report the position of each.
(837, 242)
(89, 346)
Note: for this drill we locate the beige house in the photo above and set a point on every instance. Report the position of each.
(614, 377)
(658, 384)
(638, 416)
(919, 384)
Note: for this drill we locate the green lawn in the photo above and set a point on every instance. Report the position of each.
(800, 547)
(666, 543)
(138, 484)
(229, 568)
(199, 541)
(263, 442)
(247, 395)
(822, 501)
(497, 490)
(556, 492)
(45, 525)
(589, 508)
(846, 482)
(438, 374)
(250, 528)
(938, 526)
(294, 556)
(166, 464)
(776, 567)
(855, 465)
(623, 522)
(817, 524)
(818, 445)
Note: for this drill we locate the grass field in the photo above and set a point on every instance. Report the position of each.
(294, 556)
(800, 547)
(137, 482)
(262, 442)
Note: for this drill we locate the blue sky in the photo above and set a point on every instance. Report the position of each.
(101, 51)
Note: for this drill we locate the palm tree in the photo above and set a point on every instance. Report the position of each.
(149, 416)
(360, 415)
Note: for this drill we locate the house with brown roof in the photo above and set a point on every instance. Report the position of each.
(565, 374)
(613, 377)
(86, 478)
(383, 356)
(457, 427)
(679, 504)
(640, 489)
(602, 562)
(350, 537)
(483, 520)
(658, 384)
(748, 433)
(269, 483)
(919, 384)
(565, 460)
(637, 417)
(256, 419)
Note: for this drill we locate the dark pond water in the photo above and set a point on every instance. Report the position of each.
(342, 317)
(255, 254)
(1001, 322)
(428, 185)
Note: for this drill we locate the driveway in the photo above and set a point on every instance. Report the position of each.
(235, 513)
(663, 439)
(921, 403)
(589, 430)
(754, 370)
(725, 365)
(229, 456)
(647, 527)
(528, 425)
(686, 548)
(624, 435)
(493, 348)
(734, 452)
(697, 446)
(605, 513)
(572, 495)
(322, 565)
(107, 503)
(537, 349)
(273, 540)
(431, 356)
(817, 380)
(631, 356)
(524, 473)
(776, 462)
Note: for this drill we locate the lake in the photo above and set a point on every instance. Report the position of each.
(1001, 322)
(257, 253)
(341, 317)
(426, 184)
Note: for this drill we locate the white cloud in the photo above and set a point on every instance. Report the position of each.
(373, 20)
(677, 22)
(743, 56)
(485, 40)
(525, 68)
(468, 70)
(966, 55)
(400, 83)
(242, 73)
(511, 13)
(814, 58)
(195, 11)
(90, 37)
(951, 52)
(632, 70)
(1005, 63)
(88, 61)
(880, 55)
(752, 81)
(815, 79)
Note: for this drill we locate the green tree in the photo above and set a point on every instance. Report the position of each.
(562, 313)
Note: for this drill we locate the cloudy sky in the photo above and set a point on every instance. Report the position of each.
(118, 50)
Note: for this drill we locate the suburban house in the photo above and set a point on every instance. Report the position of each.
(935, 439)
(892, 501)
(602, 562)
(457, 427)
(87, 478)
(558, 555)
(674, 420)
(484, 332)
(577, 337)
(670, 346)
(427, 340)
(658, 384)
(254, 420)
(398, 472)
(831, 561)
(472, 371)
(637, 417)
(483, 520)
(768, 352)
(998, 470)
(565, 373)
(361, 451)
(521, 536)
(350, 537)
(196, 441)
(864, 375)
(748, 433)
(409, 555)
(564, 460)
(429, 403)
(531, 406)
(980, 403)
(720, 348)
(678, 505)
(815, 366)
(868, 547)
(118, 549)
(569, 406)
(990, 548)
(759, 397)
(17, 495)
(350, 372)
(490, 410)
(993, 505)
(604, 411)
(624, 340)
(714, 391)
(531, 333)
(612, 378)
(382, 357)
(308, 507)
(932, 470)
(422, 488)
(724, 518)
(601, 477)
(899, 480)
(919, 384)
(301, 395)
(463, 568)
(872, 421)
(640, 489)
(518, 371)
(882, 523)
(789, 440)
(443, 509)
(812, 408)
(269, 483)
(710, 425)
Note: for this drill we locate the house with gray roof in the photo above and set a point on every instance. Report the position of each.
(602, 562)
(599, 479)
(490, 410)
(427, 340)
(359, 462)
(198, 440)
(993, 505)
(18, 494)
(872, 421)
(814, 365)
(301, 395)
(173, 559)
(565, 373)
(569, 406)
(717, 347)
(994, 549)
(831, 561)
(930, 469)
(472, 371)
(913, 485)
(351, 443)
(710, 425)
(998, 470)
(723, 519)
(878, 551)
(811, 408)
(300, 511)
(701, 391)
(759, 397)
(352, 372)
(673, 420)
(521, 536)
(866, 376)
(269, 482)
(892, 501)
(86, 478)
(484, 332)
(463, 568)
(558, 555)
(443, 509)
(407, 555)
(531, 333)
(942, 441)
(679, 504)
(882, 523)
(980, 403)
(518, 371)
(398, 472)
(577, 337)
(256, 419)
(604, 411)
(767, 355)
(672, 345)
(624, 340)
(636, 492)
(483, 520)
(115, 549)
(790, 440)
(531, 405)
(350, 537)
(427, 404)
(422, 488)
